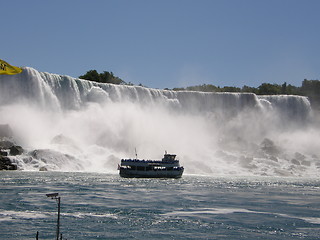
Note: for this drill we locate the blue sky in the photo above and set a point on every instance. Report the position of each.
(167, 43)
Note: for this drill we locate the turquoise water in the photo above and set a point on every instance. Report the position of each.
(105, 206)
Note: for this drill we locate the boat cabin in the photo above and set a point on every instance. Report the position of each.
(169, 158)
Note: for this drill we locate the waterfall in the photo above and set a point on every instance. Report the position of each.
(290, 107)
(53, 91)
(82, 125)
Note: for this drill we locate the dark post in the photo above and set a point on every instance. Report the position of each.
(55, 196)
(58, 221)
(37, 236)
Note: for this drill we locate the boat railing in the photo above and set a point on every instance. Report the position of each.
(148, 161)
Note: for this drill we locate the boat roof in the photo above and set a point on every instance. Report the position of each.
(137, 162)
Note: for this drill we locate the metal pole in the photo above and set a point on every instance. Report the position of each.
(55, 196)
(58, 221)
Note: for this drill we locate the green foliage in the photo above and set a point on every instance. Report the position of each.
(247, 89)
(105, 77)
(269, 89)
(176, 89)
(292, 90)
(310, 87)
(203, 88)
(91, 75)
(231, 89)
(208, 88)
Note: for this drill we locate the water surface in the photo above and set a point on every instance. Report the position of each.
(105, 206)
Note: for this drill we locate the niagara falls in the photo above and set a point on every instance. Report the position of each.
(160, 120)
(245, 156)
(70, 124)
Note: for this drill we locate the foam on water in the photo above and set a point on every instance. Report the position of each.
(6, 215)
(218, 211)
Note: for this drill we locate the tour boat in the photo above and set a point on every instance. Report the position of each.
(168, 167)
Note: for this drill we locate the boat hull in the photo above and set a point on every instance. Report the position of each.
(128, 173)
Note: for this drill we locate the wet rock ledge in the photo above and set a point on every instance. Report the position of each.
(8, 149)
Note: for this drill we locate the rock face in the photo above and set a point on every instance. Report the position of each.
(6, 164)
(16, 150)
(48, 159)
(8, 148)
(5, 143)
(269, 147)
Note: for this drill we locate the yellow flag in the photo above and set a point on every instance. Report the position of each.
(6, 68)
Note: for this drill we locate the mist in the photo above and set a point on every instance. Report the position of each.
(68, 124)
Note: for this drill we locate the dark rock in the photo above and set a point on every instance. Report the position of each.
(295, 161)
(5, 144)
(16, 150)
(43, 169)
(273, 158)
(269, 147)
(27, 160)
(6, 164)
(3, 153)
(306, 163)
(13, 167)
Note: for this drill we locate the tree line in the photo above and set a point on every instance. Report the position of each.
(263, 89)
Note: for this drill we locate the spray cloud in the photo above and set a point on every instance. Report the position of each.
(71, 124)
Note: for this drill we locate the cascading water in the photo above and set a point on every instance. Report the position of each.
(69, 124)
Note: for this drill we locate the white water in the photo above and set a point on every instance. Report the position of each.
(77, 125)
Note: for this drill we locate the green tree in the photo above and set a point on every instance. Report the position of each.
(284, 88)
(269, 89)
(293, 90)
(247, 89)
(105, 77)
(230, 89)
(310, 87)
(203, 88)
(91, 75)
